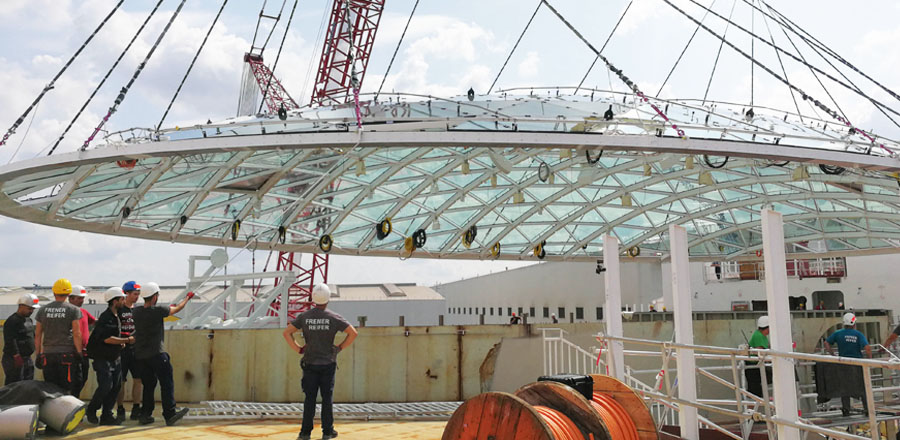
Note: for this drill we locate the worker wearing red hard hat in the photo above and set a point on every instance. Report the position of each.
(18, 341)
(57, 339)
(851, 343)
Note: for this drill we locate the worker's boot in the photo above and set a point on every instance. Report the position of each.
(329, 435)
(135, 411)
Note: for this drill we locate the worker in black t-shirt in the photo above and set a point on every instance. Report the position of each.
(104, 346)
(132, 291)
(18, 341)
(892, 337)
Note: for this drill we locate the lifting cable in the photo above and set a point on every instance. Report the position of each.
(277, 57)
(828, 50)
(716, 63)
(634, 88)
(262, 13)
(397, 49)
(756, 37)
(105, 77)
(823, 107)
(191, 66)
(50, 85)
(784, 71)
(604, 46)
(134, 77)
(683, 51)
(540, 2)
(752, 55)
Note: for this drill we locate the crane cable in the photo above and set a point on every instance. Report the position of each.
(604, 46)
(682, 51)
(540, 2)
(191, 66)
(719, 53)
(50, 85)
(105, 77)
(134, 77)
(784, 71)
(277, 57)
(396, 49)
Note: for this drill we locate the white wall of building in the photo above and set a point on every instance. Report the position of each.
(570, 285)
(387, 313)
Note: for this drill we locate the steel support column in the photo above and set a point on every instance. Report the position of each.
(684, 330)
(779, 322)
(613, 310)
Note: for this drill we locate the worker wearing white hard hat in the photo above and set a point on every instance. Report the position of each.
(319, 327)
(104, 347)
(759, 340)
(76, 298)
(18, 341)
(851, 343)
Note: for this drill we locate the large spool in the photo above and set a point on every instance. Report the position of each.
(553, 411)
(62, 414)
(18, 422)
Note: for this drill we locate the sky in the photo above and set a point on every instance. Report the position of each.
(449, 47)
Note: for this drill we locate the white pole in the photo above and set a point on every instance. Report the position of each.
(779, 322)
(613, 314)
(684, 330)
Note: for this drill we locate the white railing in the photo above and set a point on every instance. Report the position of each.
(563, 356)
(724, 271)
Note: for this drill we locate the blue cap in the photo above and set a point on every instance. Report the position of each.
(131, 286)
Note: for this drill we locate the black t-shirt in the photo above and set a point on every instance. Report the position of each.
(108, 325)
(18, 336)
(319, 327)
(148, 331)
(126, 316)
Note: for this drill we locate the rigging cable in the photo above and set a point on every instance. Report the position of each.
(682, 51)
(628, 82)
(784, 71)
(191, 66)
(823, 107)
(312, 54)
(50, 85)
(25, 136)
(716, 63)
(540, 2)
(105, 77)
(134, 77)
(756, 37)
(271, 31)
(277, 57)
(752, 55)
(604, 46)
(396, 49)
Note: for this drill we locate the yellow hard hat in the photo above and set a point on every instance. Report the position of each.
(62, 286)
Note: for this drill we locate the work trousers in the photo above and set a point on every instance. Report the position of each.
(318, 379)
(14, 373)
(63, 370)
(754, 379)
(109, 380)
(85, 371)
(153, 370)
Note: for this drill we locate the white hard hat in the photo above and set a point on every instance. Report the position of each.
(149, 289)
(849, 319)
(79, 291)
(113, 293)
(763, 321)
(321, 294)
(29, 300)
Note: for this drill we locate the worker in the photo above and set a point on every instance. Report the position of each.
(132, 291)
(553, 318)
(851, 343)
(18, 341)
(155, 363)
(104, 346)
(759, 340)
(820, 306)
(76, 298)
(319, 327)
(57, 339)
(514, 319)
(892, 337)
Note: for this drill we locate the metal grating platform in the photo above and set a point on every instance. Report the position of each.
(220, 410)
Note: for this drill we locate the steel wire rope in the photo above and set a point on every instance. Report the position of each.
(831, 52)
(805, 96)
(719, 53)
(312, 53)
(271, 31)
(134, 77)
(287, 27)
(540, 2)
(397, 49)
(191, 66)
(784, 71)
(604, 46)
(105, 77)
(50, 85)
(756, 37)
(24, 136)
(752, 56)
(682, 51)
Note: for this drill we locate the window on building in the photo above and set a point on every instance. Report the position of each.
(483, 311)
(492, 311)
(561, 313)
(579, 312)
(531, 312)
(546, 312)
(599, 313)
(520, 311)
(509, 311)
(470, 310)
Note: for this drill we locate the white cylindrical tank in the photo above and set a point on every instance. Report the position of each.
(62, 414)
(18, 422)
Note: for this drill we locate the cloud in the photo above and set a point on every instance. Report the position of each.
(528, 68)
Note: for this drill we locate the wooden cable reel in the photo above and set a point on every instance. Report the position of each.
(521, 416)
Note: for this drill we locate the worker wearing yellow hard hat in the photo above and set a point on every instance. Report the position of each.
(57, 339)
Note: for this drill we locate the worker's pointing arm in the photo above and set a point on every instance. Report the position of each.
(178, 307)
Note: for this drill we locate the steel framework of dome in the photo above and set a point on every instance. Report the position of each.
(518, 172)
